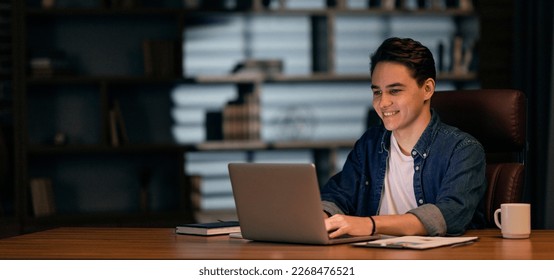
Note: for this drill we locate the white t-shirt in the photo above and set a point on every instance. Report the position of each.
(398, 196)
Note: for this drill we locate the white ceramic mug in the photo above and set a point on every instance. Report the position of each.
(515, 220)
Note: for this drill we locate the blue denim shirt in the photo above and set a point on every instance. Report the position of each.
(449, 178)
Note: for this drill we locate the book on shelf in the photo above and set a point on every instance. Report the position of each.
(208, 197)
(214, 125)
(462, 55)
(388, 5)
(465, 5)
(267, 67)
(42, 197)
(195, 184)
(411, 5)
(118, 132)
(213, 228)
(231, 121)
(241, 118)
(50, 63)
(145, 178)
(114, 139)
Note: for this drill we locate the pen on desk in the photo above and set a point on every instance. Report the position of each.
(463, 244)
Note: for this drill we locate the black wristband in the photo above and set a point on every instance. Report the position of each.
(373, 225)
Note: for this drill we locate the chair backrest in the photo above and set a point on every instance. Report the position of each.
(497, 118)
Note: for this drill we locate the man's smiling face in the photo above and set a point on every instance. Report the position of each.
(397, 98)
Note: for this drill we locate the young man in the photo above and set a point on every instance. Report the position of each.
(413, 174)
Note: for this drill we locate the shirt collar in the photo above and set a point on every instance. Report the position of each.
(423, 145)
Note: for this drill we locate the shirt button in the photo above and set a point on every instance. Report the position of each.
(420, 201)
(414, 153)
(424, 155)
(417, 168)
(367, 183)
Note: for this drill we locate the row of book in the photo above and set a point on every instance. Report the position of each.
(270, 4)
(238, 120)
(466, 5)
(321, 4)
(463, 58)
(49, 4)
(209, 203)
(241, 121)
(265, 67)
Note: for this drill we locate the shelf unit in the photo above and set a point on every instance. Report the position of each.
(105, 66)
(8, 222)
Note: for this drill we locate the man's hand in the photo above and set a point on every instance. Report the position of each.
(338, 225)
(399, 225)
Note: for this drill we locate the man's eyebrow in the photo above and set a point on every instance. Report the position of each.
(396, 85)
(389, 86)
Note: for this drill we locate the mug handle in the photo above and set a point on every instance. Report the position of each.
(496, 221)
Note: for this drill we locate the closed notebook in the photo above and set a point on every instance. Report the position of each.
(209, 228)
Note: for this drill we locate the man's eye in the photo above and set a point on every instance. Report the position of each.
(394, 91)
(377, 92)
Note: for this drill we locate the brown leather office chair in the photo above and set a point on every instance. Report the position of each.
(497, 118)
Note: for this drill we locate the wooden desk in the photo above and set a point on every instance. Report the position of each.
(163, 243)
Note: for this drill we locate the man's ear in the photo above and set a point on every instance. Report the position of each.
(429, 88)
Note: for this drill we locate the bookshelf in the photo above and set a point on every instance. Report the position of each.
(79, 58)
(8, 221)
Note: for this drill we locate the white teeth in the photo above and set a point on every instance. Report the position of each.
(388, 114)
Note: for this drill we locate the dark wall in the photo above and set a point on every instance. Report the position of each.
(532, 74)
(496, 47)
(516, 52)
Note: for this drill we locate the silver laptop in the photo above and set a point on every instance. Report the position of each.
(281, 203)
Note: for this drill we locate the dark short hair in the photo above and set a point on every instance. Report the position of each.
(409, 53)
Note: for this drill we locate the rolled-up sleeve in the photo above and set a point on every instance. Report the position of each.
(331, 208)
(431, 218)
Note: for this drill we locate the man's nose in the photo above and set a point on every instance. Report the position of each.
(385, 101)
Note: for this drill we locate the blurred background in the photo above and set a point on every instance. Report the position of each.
(127, 112)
